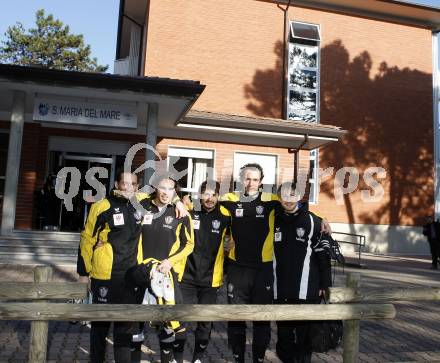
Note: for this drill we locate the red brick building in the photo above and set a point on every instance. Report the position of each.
(374, 78)
(364, 67)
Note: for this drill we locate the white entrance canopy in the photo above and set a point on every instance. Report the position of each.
(133, 104)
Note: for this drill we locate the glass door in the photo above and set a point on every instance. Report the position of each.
(74, 220)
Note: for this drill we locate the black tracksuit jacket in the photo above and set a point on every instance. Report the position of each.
(204, 267)
(302, 267)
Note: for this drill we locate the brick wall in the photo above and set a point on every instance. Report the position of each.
(376, 82)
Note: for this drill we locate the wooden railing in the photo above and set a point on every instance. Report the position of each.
(43, 311)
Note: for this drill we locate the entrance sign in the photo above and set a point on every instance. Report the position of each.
(84, 113)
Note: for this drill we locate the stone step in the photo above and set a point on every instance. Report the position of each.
(36, 249)
(50, 235)
(40, 258)
(31, 247)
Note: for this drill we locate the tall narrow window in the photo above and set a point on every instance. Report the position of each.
(303, 86)
(303, 76)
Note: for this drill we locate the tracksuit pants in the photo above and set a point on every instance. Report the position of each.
(246, 285)
(293, 344)
(114, 291)
(194, 294)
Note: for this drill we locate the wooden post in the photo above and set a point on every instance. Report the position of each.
(39, 329)
(351, 327)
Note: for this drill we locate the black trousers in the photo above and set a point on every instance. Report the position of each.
(434, 245)
(113, 291)
(194, 294)
(247, 285)
(293, 344)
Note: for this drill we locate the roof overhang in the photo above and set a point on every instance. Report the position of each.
(403, 12)
(262, 131)
(174, 97)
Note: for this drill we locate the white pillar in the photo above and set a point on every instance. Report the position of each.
(436, 122)
(153, 111)
(13, 163)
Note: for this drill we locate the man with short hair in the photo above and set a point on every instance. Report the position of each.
(249, 272)
(166, 244)
(108, 248)
(302, 270)
(203, 273)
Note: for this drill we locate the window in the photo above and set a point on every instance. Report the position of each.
(195, 165)
(303, 86)
(4, 142)
(313, 180)
(268, 163)
(303, 76)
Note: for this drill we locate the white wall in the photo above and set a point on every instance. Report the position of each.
(384, 239)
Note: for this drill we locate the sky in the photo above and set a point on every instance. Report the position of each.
(97, 20)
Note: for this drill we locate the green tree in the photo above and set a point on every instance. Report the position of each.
(50, 45)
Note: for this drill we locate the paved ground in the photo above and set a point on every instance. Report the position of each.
(414, 336)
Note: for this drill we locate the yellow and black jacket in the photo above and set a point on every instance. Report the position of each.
(252, 228)
(165, 237)
(115, 222)
(204, 267)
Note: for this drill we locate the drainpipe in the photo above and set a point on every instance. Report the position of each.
(436, 120)
(286, 31)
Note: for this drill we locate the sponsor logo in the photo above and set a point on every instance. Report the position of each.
(148, 219)
(118, 219)
(43, 109)
(239, 212)
(117, 210)
(196, 223)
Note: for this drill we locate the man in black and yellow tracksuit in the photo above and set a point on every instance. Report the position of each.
(168, 241)
(203, 273)
(249, 272)
(302, 272)
(108, 248)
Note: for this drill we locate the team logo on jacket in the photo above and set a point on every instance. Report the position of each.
(137, 215)
(103, 291)
(216, 224)
(300, 234)
(259, 209)
(168, 219)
